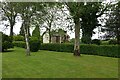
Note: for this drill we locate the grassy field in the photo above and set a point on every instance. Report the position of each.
(49, 64)
(0, 65)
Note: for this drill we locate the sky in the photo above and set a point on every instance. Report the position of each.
(17, 26)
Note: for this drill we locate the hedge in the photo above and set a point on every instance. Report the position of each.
(18, 38)
(34, 44)
(102, 50)
(19, 44)
(6, 42)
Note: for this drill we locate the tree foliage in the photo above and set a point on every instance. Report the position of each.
(92, 11)
(113, 22)
(36, 32)
(10, 13)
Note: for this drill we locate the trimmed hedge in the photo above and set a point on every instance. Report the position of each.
(6, 42)
(19, 44)
(113, 41)
(18, 38)
(102, 50)
(96, 41)
(34, 44)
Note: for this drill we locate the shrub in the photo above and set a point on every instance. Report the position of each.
(6, 42)
(113, 41)
(18, 38)
(96, 41)
(86, 39)
(104, 42)
(57, 47)
(19, 44)
(34, 44)
(102, 50)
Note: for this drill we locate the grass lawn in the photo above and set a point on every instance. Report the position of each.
(0, 65)
(49, 64)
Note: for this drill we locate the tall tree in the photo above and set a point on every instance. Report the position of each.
(92, 11)
(113, 22)
(36, 32)
(52, 17)
(27, 10)
(75, 9)
(10, 11)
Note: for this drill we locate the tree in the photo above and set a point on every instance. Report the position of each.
(92, 11)
(36, 32)
(51, 18)
(21, 31)
(27, 10)
(10, 12)
(75, 9)
(113, 22)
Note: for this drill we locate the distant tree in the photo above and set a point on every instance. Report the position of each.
(113, 22)
(52, 17)
(92, 11)
(72, 40)
(10, 12)
(36, 32)
(21, 31)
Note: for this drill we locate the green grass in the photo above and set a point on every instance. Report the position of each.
(0, 65)
(49, 64)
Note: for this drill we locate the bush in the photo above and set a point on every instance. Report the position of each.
(104, 42)
(18, 38)
(113, 41)
(96, 41)
(102, 50)
(34, 44)
(6, 42)
(19, 44)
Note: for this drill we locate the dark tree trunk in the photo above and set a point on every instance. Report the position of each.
(11, 32)
(12, 23)
(118, 36)
(77, 37)
(49, 36)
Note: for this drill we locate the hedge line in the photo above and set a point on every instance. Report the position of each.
(34, 45)
(19, 44)
(102, 50)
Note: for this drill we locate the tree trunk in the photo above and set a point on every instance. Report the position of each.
(118, 36)
(49, 36)
(50, 31)
(11, 28)
(77, 37)
(11, 32)
(27, 40)
(12, 23)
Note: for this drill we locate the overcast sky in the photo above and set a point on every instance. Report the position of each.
(17, 26)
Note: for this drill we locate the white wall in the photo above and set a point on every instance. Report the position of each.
(46, 38)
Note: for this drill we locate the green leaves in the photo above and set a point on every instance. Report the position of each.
(36, 32)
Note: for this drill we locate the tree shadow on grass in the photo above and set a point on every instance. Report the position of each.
(9, 50)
